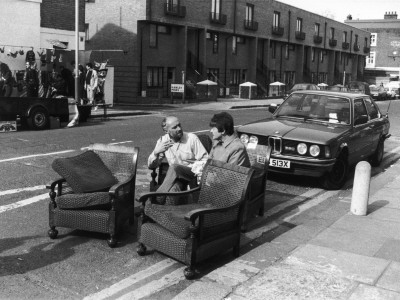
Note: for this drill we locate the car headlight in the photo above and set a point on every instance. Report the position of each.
(253, 139)
(302, 148)
(314, 150)
(244, 138)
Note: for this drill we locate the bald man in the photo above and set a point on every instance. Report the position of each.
(180, 149)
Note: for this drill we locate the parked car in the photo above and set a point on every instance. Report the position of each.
(378, 93)
(321, 134)
(359, 87)
(393, 89)
(301, 87)
(337, 88)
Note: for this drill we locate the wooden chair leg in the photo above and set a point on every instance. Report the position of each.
(112, 241)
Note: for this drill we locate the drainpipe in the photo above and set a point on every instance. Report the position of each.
(234, 16)
(325, 35)
(290, 14)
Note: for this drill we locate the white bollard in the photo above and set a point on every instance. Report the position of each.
(359, 198)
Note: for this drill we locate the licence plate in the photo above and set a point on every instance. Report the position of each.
(279, 163)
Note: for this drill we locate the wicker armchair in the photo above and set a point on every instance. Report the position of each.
(259, 159)
(191, 233)
(158, 174)
(113, 207)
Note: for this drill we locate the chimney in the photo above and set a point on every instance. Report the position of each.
(349, 17)
(390, 15)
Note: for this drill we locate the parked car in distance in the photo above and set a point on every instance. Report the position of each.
(359, 87)
(393, 89)
(320, 134)
(301, 87)
(337, 88)
(378, 93)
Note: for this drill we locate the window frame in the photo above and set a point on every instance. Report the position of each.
(345, 36)
(370, 59)
(332, 33)
(276, 21)
(373, 39)
(249, 12)
(155, 73)
(299, 24)
(317, 28)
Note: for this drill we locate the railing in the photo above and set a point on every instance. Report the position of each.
(175, 10)
(345, 45)
(277, 30)
(356, 47)
(250, 25)
(317, 39)
(367, 49)
(332, 42)
(217, 18)
(300, 35)
(194, 64)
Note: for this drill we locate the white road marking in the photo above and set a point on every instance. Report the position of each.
(27, 189)
(36, 155)
(129, 281)
(23, 202)
(125, 142)
(155, 286)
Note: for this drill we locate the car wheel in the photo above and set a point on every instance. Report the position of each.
(377, 157)
(336, 178)
(38, 119)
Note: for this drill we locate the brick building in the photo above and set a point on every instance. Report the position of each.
(381, 65)
(229, 42)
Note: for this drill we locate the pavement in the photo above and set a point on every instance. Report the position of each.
(324, 252)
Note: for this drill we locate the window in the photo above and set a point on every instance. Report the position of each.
(356, 39)
(321, 55)
(213, 74)
(87, 32)
(208, 35)
(154, 76)
(372, 110)
(370, 60)
(249, 12)
(316, 29)
(287, 51)
(373, 39)
(366, 42)
(216, 6)
(234, 45)
(277, 19)
(240, 40)
(215, 39)
(153, 36)
(359, 109)
(332, 33)
(299, 25)
(344, 36)
(273, 49)
(313, 54)
(163, 29)
(235, 77)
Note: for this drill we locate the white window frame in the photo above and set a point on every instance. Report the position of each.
(277, 19)
(374, 38)
(370, 60)
(299, 25)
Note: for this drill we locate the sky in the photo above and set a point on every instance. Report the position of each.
(340, 9)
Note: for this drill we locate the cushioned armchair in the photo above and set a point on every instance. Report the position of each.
(259, 159)
(96, 191)
(190, 233)
(158, 174)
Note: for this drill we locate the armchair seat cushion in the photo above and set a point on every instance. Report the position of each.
(172, 217)
(99, 200)
(85, 172)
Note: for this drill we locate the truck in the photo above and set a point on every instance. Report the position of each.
(36, 112)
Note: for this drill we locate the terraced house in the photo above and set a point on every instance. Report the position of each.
(226, 41)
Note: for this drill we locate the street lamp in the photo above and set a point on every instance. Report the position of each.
(395, 54)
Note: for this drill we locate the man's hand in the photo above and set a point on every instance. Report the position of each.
(163, 146)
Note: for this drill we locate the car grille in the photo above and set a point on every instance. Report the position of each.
(275, 143)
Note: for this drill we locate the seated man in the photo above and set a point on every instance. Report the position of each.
(180, 149)
(227, 146)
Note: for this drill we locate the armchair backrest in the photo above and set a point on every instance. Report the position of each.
(223, 184)
(120, 160)
(205, 141)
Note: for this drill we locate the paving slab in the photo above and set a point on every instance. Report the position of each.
(339, 263)
(368, 226)
(390, 250)
(367, 292)
(386, 214)
(286, 281)
(390, 280)
(350, 241)
(201, 290)
(386, 197)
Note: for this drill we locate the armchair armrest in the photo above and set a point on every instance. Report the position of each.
(152, 195)
(194, 214)
(116, 188)
(52, 185)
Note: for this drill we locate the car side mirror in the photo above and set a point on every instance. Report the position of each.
(272, 108)
(361, 120)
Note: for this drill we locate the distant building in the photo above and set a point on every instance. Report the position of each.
(229, 42)
(39, 25)
(381, 64)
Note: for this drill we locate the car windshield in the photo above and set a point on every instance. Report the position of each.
(316, 107)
